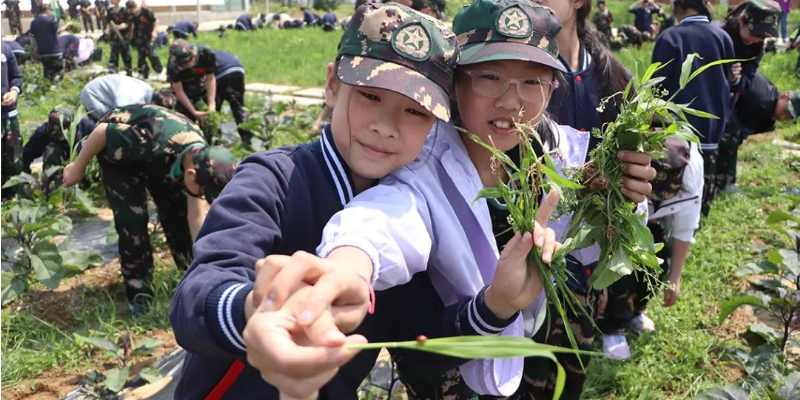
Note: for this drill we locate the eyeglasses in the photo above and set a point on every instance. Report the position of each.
(493, 84)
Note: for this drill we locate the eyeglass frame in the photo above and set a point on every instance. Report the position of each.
(508, 81)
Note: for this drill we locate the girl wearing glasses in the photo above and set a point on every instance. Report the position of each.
(424, 217)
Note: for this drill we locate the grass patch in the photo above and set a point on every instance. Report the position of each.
(685, 355)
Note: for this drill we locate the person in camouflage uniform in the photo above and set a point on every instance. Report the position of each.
(602, 20)
(72, 8)
(147, 148)
(12, 13)
(36, 7)
(101, 13)
(11, 140)
(48, 140)
(145, 25)
(86, 15)
(117, 27)
(191, 72)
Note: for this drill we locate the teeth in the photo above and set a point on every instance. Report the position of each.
(502, 124)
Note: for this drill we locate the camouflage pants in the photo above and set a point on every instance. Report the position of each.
(728, 158)
(710, 177)
(147, 51)
(539, 374)
(126, 189)
(14, 24)
(52, 67)
(100, 18)
(230, 88)
(88, 25)
(120, 49)
(11, 153)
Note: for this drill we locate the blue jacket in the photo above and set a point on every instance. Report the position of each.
(709, 92)
(186, 28)
(69, 45)
(244, 22)
(40, 139)
(227, 64)
(278, 203)
(11, 79)
(643, 18)
(45, 30)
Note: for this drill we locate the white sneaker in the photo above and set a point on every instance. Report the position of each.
(642, 323)
(616, 346)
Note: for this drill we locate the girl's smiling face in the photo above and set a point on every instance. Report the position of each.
(375, 130)
(488, 112)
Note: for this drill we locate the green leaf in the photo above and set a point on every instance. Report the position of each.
(46, 264)
(714, 64)
(756, 269)
(791, 387)
(765, 364)
(790, 260)
(63, 225)
(780, 216)
(763, 331)
(78, 260)
(98, 342)
(585, 237)
(560, 180)
(150, 374)
(12, 287)
(490, 193)
(83, 202)
(21, 179)
(775, 258)
(686, 69)
(729, 392)
(147, 345)
(727, 307)
(116, 379)
(603, 277)
(698, 113)
(111, 235)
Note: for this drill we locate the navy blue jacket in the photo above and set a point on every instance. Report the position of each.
(278, 203)
(309, 18)
(69, 45)
(244, 22)
(329, 19)
(11, 78)
(39, 140)
(709, 92)
(45, 30)
(643, 19)
(186, 28)
(162, 39)
(227, 64)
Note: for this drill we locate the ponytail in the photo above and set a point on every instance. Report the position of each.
(613, 75)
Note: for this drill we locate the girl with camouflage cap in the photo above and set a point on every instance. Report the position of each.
(147, 148)
(389, 85)
(507, 72)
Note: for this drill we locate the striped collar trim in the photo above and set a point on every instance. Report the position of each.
(695, 18)
(585, 61)
(337, 167)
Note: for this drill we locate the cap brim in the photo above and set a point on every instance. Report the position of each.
(765, 30)
(371, 72)
(498, 51)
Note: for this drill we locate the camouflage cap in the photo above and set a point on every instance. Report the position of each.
(492, 30)
(181, 52)
(794, 104)
(761, 16)
(215, 167)
(669, 169)
(59, 118)
(392, 47)
(165, 98)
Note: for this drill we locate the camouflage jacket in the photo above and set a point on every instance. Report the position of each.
(603, 23)
(143, 24)
(118, 17)
(194, 78)
(12, 6)
(148, 135)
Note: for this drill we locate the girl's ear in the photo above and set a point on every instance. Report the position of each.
(578, 4)
(331, 85)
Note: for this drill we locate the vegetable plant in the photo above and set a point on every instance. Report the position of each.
(123, 352)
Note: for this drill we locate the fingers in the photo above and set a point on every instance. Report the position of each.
(546, 209)
(635, 190)
(634, 157)
(266, 270)
(549, 246)
(302, 267)
(333, 289)
(641, 172)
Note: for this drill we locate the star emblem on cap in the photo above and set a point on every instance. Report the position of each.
(412, 42)
(514, 22)
(414, 38)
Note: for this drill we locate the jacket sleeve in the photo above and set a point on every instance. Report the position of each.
(34, 147)
(665, 52)
(242, 226)
(387, 223)
(14, 73)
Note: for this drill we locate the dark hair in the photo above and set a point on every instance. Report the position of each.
(697, 5)
(130, 4)
(613, 75)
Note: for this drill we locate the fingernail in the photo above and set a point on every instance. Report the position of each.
(305, 317)
(268, 305)
(333, 336)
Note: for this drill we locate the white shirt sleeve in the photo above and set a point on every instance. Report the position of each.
(387, 223)
(500, 376)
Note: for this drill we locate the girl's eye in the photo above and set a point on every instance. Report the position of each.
(414, 111)
(533, 82)
(370, 96)
(490, 77)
